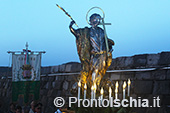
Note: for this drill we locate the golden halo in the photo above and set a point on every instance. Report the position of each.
(92, 9)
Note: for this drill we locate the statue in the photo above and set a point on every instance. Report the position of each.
(95, 53)
(93, 46)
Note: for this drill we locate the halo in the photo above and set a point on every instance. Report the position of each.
(92, 9)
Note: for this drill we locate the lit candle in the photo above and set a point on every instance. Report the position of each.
(94, 74)
(129, 82)
(85, 88)
(117, 84)
(104, 63)
(79, 85)
(101, 92)
(110, 92)
(95, 87)
(124, 86)
(92, 92)
(116, 91)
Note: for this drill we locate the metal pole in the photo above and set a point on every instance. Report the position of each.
(105, 35)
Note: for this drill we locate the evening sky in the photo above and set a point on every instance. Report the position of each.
(138, 27)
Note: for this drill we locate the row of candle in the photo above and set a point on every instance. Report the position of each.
(94, 88)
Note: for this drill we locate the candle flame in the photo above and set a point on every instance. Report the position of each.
(101, 91)
(96, 70)
(92, 87)
(104, 63)
(129, 82)
(79, 84)
(85, 86)
(124, 85)
(116, 90)
(110, 90)
(117, 84)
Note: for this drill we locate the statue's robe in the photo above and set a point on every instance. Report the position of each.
(89, 63)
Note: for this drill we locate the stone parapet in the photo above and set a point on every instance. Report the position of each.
(58, 80)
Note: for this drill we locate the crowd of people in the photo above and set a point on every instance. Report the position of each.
(34, 108)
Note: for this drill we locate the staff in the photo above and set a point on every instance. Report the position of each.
(66, 13)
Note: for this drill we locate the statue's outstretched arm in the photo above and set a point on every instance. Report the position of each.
(74, 31)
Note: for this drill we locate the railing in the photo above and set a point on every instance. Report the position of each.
(112, 71)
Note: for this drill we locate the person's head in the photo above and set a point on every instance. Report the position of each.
(18, 109)
(12, 106)
(26, 109)
(32, 105)
(95, 19)
(38, 108)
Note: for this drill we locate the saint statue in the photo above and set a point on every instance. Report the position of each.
(92, 50)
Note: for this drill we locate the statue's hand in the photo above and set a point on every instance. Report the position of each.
(72, 22)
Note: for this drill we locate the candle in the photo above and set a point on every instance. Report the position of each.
(110, 92)
(85, 88)
(79, 85)
(92, 92)
(101, 92)
(95, 87)
(116, 91)
(94, 74)
(129, 82)
(124, 86)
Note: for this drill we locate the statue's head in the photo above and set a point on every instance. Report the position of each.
(95, 19)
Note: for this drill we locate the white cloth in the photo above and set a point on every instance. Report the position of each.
(18, 62)
(31, 111)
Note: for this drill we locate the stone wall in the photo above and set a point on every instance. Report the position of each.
(5, 94)
(55, 80)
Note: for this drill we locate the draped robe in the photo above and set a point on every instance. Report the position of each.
(92, 53)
